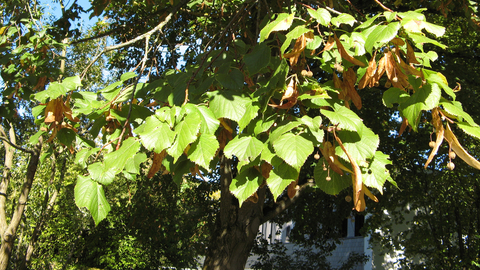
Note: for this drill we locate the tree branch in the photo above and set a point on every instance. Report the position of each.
(284, 203)
(15, 146)
(138, 38)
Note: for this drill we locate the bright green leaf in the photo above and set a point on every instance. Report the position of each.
(343, 117)
(322, 16)
(281, 23)
(203, 150)
(294, 149)
(246, 184)
(425, 98)
(245, 148)
(376, 173)
(381, 35)
(281, 176)
(155, 135)
(90, 194)
(133, 164)
(227, 104)
(186, 133)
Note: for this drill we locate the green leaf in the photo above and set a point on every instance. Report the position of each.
(343, 117)
(155, 135)
(128, 75)
(209, 123)
(322, 16)
(283, 127)
(250, 113)
(53, 91)
(343, 18)
(389, 16)
(203, 150)
(361, 144)
(425, 98)
(115, 161)
(437, 30)
(71, 83)
(82, 156)
(376, 173)
(186, 133)
(233, 80)
(90, 194)
(34, 138)
(258, 58)
(420, 39)
(294, 34)
(280, 176)
(66, 136)
(367, 23)
(281, 23)
(455, 108)
(100, 174)
(470, 130)
(294, 149)
(245, 148)
(439, 78)
(227, 104)
(133, 164)
(246, 184)
(381, 35)
(337, 182)
(262, 125)
(394, 96)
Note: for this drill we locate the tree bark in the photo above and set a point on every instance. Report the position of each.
(236, 228)
(8, 236)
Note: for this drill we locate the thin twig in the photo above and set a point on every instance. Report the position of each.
(383, 6)
(16, 146)
(138, 38)
(127, 121)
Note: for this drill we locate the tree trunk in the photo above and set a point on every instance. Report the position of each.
(8, 236)
(48, 204)
(235, 228)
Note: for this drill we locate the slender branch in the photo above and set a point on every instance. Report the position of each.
(15, 146)
(144, 61)
(138, 38)
(284, 203)
(383, 6)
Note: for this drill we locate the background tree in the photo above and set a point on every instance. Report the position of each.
(264, 87)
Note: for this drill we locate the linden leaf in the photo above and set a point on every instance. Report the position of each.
(90, 194)
(294, 149)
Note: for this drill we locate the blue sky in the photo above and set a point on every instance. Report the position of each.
(53, 7)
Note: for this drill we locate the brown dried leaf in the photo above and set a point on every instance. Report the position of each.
(347, 56)
(329, 45)
(411, 59)
(157, 163)
(298, 48)
(265, 169)
(358, 190)
(291, 190)
(437, 123)
(369, 74)
(349, 80)
(459, 150)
